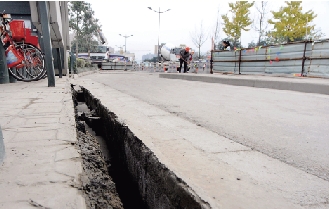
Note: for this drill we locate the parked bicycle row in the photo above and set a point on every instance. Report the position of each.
(25, 60)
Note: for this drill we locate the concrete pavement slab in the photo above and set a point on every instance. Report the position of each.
(286, 125)
(222, 172)
(304, 191)
(301, 84)
(46, 195)
(2, 147)
(42, 167)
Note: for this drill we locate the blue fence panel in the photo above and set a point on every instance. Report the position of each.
(225, 66)
(281, 59)
(320, 67)
(228, 59)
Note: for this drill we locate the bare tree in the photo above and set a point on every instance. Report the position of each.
(260, 24)
(316, 34)
(217, 30)
(199, 36)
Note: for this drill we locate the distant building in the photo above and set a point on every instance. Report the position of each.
(131, 56)
(148, 56)
(156, 49)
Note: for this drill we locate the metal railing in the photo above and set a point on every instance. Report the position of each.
(117, 66)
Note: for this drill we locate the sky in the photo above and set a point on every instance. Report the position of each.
(132, 17)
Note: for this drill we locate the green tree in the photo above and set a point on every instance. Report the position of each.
(85, 26)
(83, 46)
(154, 59)
(263, 42)
(90, 28)
(291, 23)
(237, 43)
(268, 39)
(252, 44)
(76, 11)
(240, 19)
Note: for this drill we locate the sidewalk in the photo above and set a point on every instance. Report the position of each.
(301, 84)
(41, 167)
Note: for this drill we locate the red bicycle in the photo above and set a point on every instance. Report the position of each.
(25, 61)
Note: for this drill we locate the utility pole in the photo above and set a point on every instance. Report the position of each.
(159, 29)
(125, 40)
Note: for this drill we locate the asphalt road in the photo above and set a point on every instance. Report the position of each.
(286, 125)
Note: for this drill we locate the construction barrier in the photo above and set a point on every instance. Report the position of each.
(306, 58)
(117, 66)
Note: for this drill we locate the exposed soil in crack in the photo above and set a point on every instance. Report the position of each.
(97, 185)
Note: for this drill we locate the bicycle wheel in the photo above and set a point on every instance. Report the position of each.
(33, 67)
(13, 73)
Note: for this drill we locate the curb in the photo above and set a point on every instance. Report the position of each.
(257, 83)
(83, 73)
(2, 147)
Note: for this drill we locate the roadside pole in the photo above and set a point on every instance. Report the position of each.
(59, 63)
(43, 11)
(4, 74)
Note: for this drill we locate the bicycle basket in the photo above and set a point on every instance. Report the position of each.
(17, 28)
(13, 57)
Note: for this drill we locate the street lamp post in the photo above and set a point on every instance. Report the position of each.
(120, 47)
(159, 29)
(125, 40)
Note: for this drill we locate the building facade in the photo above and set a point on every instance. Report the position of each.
(58, 23)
